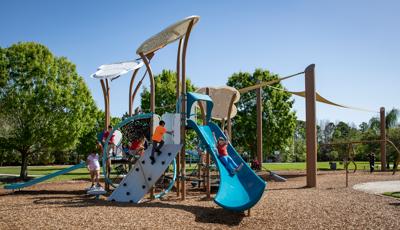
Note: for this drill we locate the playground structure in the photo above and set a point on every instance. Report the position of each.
(239, 192)
(246, 185)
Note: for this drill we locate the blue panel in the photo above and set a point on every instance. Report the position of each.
(194, 97)
(239, 192)
(43, 178)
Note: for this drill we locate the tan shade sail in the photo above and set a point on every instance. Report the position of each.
(221, 97)
(167, 36)
(321, 99)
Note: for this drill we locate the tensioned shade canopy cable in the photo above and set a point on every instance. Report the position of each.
(262, 84)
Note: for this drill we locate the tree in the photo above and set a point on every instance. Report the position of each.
(391, 118)
(298, 153)
(45, 103)
(391, 123)
(279, 121)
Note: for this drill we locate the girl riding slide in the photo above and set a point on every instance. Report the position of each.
(226, 160)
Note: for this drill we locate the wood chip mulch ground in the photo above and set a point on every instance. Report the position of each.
(285, 205)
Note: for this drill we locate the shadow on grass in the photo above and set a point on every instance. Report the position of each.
(202, 214)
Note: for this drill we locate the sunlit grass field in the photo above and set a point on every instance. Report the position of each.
(82, 173)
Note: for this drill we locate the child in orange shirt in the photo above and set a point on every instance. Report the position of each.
(157, 139)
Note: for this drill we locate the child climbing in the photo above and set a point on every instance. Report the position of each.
(110, 146)
(136, 147)
(93, 166)
(106, 133)
(158, 141)
(229, 164)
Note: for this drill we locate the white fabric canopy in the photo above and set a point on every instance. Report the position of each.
(112, 71)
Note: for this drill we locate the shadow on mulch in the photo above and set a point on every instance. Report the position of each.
(395, 204)
(43, 192)
(202, 214)
(295, 188)
(13, 179)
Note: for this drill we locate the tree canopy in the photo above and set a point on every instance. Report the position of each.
(45, 105)
(279, 121)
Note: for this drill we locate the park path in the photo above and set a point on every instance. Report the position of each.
(378, 187)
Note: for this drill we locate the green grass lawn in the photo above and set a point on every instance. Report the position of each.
(361, 165)
(392, 194)
(82, 174)
(79, 174)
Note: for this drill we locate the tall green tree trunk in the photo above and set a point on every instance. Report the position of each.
(24, 165)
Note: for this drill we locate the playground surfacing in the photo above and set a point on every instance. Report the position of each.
(284, 206)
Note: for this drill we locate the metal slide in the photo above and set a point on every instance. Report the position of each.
(44, 178)
(239, 192)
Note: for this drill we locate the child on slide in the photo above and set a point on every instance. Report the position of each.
(93, 166)
(224, 157)
(158, 140)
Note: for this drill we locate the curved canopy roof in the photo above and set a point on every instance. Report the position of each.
(167, 36)
(113, 71)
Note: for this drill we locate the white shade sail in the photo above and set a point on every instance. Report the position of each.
(113, 71)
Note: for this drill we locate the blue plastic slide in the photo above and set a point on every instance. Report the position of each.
(239, 192)
(43, 178)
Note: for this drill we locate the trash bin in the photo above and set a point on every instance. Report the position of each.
(332, 165)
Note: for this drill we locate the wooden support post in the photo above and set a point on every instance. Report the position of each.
(346, 164)
(311, 131)
(146, 60)
(183, 111)
(259, 125)
(131, 98)
(383, 138)
(178, 94)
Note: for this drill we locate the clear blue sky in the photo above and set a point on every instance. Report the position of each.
(354, 44)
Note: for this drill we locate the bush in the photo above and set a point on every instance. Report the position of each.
(333, 155)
